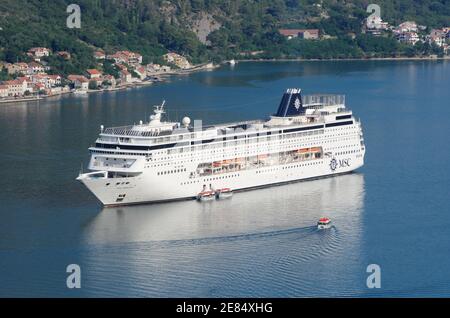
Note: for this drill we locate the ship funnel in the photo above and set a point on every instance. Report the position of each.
(291, 104)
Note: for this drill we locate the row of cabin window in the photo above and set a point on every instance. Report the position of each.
(198, 156)
(211, 179)
(196, 149)
(171, 171)
(348, 152)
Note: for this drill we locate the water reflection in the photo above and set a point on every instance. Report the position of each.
(259, 243)
(249, 74)
(289, 206)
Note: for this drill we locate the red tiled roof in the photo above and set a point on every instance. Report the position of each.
(80, 78)
(289, 32)
(12, 82)
(94, 72)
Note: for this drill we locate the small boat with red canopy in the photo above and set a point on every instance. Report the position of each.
(324, 223)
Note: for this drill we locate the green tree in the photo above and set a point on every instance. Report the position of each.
(92, 85)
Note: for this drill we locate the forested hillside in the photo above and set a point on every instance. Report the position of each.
(153, 27)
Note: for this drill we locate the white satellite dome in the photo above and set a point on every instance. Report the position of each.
(186, 121)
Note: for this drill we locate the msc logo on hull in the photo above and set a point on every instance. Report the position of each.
(341, 163)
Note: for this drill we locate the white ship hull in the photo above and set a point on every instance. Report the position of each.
(147, 188)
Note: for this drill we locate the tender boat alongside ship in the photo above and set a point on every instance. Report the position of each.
(206, 196)
(310, 136)
(224, 193)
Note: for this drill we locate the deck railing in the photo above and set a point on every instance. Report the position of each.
(316, 100)
(127, 131)
(323, 100)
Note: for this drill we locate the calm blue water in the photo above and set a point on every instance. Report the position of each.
(393, 212)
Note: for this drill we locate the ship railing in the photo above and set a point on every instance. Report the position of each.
(320, 100)
(233, 124)
(127, 131)
(124, 130)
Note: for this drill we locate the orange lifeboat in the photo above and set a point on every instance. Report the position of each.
(206, 195)
(303, 150)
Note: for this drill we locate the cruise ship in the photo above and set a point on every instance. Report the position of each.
(310, 136)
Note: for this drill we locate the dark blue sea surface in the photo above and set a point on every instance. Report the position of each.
(394, 212)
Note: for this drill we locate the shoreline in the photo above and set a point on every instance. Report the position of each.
(198, 68)
(27, 99)
(209, 67)
(45, 97)
(428, 58)
(159, 78)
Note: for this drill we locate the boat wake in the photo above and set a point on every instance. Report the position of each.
(227, 265)
(283, 234)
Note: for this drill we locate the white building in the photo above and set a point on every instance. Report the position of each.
(125, 76)
(408, 26)
(177, 59)
(94, 74)
(17, 87)
(408, 37)
(437, 37)
(54, 80)
(39, 52)
(3, 91)
(127, 57)
(79, 81)
(35, 68)
(17, 68)
(374, 22)
(99, 55)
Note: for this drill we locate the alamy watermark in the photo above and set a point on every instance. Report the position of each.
(375, 11)
(74, 19)
(74, 279)
(374, 279)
